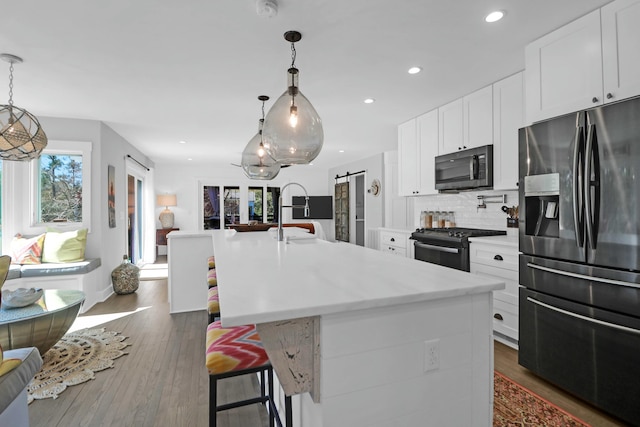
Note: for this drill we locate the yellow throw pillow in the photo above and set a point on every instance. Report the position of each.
(8, 364)
(68, 246)
(26, 251)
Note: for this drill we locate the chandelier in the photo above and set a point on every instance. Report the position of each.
(21, 137)
(256, 163)
(292, 129)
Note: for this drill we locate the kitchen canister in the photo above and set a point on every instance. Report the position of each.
(125, 277)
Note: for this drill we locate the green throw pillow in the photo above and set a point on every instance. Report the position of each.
(64, 247)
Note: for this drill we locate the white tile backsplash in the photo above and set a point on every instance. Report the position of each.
(467, 214)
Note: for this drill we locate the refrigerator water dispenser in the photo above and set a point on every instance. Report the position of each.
(541, 195)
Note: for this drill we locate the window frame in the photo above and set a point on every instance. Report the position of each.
(74, 148)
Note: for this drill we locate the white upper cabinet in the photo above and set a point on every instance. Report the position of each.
(451, 129)
(564, 70)
(478, 118)
(417, 148)
(508, 117)
(467, 122)
(408, 158)
(589, 62)
(428, 143)
(621, 49)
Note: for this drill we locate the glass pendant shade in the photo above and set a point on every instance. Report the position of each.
(256, 163)
(293, 129)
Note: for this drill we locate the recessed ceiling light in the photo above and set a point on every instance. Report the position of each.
(182, 142)
(494, 16)
(414, 70)
(190, 159)
(369, 101)
(340, 151)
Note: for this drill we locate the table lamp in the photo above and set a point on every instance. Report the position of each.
(166, 216)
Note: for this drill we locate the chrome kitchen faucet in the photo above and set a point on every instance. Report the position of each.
(280, 206)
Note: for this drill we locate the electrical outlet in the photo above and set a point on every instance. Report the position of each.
(431, 355)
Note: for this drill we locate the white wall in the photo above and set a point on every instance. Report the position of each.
(374, 205)
(186, 180)
(108, 148)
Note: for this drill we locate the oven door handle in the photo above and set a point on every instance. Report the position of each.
(580, 316)
(583, 276)
(437, 248)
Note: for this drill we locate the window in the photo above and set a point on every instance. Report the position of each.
(231, 205)
(255, 204)
(60, 190)
(211, 206)
(62, 185)
(273, 193)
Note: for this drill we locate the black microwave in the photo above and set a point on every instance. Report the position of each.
(465, 170)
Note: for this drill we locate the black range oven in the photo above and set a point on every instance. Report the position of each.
(447, 246)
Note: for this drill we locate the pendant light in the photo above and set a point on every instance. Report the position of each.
(292, 129)
(256, 163)
(21, 137)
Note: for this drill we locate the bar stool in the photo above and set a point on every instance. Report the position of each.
(235, 351)
(213, 304)
(212, 277)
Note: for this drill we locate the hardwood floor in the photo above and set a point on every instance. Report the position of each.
(163, 381)
(506, 362)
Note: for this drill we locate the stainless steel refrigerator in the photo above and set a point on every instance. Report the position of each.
(579, 237)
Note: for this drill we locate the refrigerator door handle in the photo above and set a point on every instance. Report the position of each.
(586, 318)
(578, 184)
(583, 276)
(580, 316)
(591, 156)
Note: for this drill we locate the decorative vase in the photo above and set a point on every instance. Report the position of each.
(125, 277)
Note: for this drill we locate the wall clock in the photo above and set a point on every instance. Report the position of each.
(375, 187)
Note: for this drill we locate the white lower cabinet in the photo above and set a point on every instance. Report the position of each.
(396, 242)
(500, 260)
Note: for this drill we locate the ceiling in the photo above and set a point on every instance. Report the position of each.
(159, 71)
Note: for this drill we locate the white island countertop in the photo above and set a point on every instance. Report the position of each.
(262, 280)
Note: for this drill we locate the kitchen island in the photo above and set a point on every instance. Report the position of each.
(361, 337)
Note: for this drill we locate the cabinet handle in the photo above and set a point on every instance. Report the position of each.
(392, 249)
(498, 258)
(464, 146)
(459, 148)
(609, 95)
(594, 100)
(498, 316)
(392, 239)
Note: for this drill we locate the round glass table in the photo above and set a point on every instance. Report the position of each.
(42, 323)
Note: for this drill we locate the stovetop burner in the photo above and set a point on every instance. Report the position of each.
(454, 232)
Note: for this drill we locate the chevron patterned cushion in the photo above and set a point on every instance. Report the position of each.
(213, 302)
(212, 277)
(212, 262)
(233, 349)
(27, 251)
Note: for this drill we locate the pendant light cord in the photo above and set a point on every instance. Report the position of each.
(11, 84)
(293, 55)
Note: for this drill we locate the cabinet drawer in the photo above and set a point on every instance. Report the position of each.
(494, 255)
(394, 239)
(505, 318)
(395, 250)
(510, 278)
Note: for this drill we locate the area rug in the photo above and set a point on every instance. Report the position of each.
(74, 360)
(514, 406)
